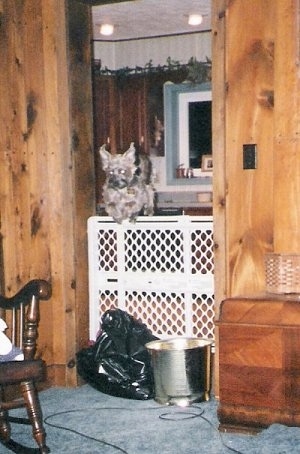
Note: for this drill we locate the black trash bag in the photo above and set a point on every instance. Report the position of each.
(118, 363)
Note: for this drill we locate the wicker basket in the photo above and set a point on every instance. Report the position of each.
(282, 273)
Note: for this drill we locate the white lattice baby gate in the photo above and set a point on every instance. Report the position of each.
(160, 270)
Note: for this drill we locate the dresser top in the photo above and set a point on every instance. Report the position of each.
(261, 309)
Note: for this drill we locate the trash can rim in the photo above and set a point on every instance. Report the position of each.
(179, 343)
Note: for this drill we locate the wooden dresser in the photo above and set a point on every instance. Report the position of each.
(259, 362)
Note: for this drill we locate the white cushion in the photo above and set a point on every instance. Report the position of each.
(15, 354)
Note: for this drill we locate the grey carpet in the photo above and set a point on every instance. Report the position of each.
(87, 421)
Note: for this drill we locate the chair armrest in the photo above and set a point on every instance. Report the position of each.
(37, 287)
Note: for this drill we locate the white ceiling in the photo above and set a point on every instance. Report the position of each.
(146, 18)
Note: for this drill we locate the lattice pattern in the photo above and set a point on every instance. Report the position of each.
(202, 260)
(160, 270)
(107, 250)
(203, 315)
(164, 314)
(154, 250)
(107, 300)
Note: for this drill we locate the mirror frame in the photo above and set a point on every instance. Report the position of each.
(174, 118)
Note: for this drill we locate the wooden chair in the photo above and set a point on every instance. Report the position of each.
(22, 316)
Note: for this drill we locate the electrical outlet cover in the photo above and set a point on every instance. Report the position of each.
(249, 156)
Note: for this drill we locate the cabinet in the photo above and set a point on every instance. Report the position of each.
(198, 211)
(132, 106)
(159, 269)
(259, 340)
(125, 110)
(106, 123)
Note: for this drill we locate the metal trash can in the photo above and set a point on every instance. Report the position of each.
(182, 370)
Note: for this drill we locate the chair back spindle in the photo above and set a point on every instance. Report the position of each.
(16, 326)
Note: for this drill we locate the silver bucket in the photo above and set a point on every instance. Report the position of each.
(181, 368)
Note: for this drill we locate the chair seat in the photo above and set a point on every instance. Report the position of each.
(12, 372)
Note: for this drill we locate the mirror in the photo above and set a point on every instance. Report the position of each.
(188, 137)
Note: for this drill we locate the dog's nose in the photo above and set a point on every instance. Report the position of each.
(117, 182)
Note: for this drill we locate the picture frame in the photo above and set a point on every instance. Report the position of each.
(207, 163)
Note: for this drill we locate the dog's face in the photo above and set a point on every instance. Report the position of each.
(119, 168)
(128, 188)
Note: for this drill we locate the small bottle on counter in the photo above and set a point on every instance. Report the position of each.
(180, 171)
(190, 173)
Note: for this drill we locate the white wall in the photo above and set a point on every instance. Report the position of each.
(115, 55)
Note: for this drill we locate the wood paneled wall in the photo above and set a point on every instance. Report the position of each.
(256, 96)
(256, 100)
(249, 119)
(244, 39)
(46, 165)
(286, 150)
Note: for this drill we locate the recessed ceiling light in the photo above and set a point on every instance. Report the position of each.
(106, 29)
(195, 19)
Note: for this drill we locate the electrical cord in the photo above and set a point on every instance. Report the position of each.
(178, 414)
(88, 437)
(76, 432)
(218, 432)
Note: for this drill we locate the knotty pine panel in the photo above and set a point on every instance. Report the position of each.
(249, 119)
(287, 128)
(46, 165)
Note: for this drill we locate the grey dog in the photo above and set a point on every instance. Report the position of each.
(128, 190)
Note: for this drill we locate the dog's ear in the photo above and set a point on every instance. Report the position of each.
(105, 157)
(130, 153)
